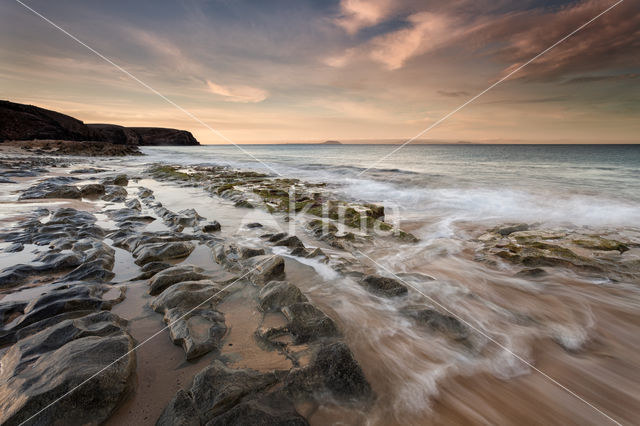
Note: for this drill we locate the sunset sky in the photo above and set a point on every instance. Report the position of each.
(310, 70)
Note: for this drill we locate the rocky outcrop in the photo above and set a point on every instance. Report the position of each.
(21, 122)
(158, 136)
(27, 122)
(116, 134)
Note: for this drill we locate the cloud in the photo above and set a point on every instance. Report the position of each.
(454, 94)
(358, 14)
(427, 32)
(244, 94)
(598, 78)
(609, 42)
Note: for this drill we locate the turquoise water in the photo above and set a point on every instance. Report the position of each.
(580, 184)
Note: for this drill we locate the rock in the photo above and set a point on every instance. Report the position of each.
(272, 238)
(599, 243)
(187, 217)
(116, 194)
(247, 252)
(266, 268)
(210, 227)
(145, 193)
(181, 411)
(332, 370)
(129, 215)
(9, 310)
(189, 294)
(48, 189)
(132, 240)
(278, 294)
(14, 248)
(217, 389)
(93, 271)
(243, 204)
(375, 211)
(290, 242)
(273, 409)
(434, 320)
(41, 368)
(162, 251)
(150, 269)
(164, 136)
(317, 252)
(92, 190)
(383, 286)
(50, 263)
(307, 323)
(133, 204)
(174, 275)
(88, 170)
(119, 180)
(508, 230)
(532, 272)
(254, 225)
(299, 252)
(71, 297)
(198, 330)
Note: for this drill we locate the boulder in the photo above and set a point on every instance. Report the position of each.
(92, 190)
(215, 390)
(290, 242)
(198, 331)
(307, 323)
(332, 370)
(435, 321)
(279, 294)
(210, 227)
(114, 193)
(119, 180)
(383, 286)
(266, 268)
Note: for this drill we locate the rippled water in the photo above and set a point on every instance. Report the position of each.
(585, 184)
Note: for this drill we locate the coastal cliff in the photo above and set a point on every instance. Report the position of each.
(28, 122)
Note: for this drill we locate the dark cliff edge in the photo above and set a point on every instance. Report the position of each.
(20, 122)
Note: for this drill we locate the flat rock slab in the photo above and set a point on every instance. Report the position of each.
(162, 251)
(188, 295)
(50, 189)
(176, 274)
(41, 368)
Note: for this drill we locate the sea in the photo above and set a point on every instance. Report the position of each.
(597, 185)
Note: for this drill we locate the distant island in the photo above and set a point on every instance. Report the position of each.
(331, 143)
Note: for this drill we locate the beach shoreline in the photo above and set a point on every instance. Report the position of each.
(322, 276)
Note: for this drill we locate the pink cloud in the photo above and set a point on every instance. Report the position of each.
(245, 94)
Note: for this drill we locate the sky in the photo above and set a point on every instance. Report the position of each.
(348, 70)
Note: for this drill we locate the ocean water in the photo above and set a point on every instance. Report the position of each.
(591, 185)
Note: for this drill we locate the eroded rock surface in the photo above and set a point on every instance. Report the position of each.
(41, 368)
